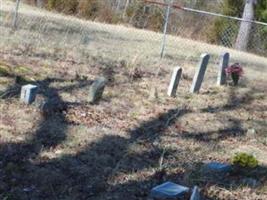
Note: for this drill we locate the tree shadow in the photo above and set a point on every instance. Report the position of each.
(51, 130)
(86, 174)
(233, 102)
(235, 125)
(97, 170)
(235, 129)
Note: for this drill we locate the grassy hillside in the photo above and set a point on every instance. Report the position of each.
(114, 149)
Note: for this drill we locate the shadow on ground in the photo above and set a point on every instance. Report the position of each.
(93, 172)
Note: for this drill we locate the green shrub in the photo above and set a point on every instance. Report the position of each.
(245, 160)
(261, 10)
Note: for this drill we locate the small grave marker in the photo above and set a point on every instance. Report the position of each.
(28, 94)
(224, 61)
(199, 76)
(176, 76)
(217, 167)
(169, 190)
(97, 89)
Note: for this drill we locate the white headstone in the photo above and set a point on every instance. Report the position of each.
(224, 61)
(28, 93)
(199, 76)
(176, 76)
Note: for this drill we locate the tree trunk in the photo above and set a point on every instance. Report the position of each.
(245, 27)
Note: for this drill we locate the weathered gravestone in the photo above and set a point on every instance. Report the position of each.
(224, 61)
(216, 170)
(97, 89)
(199, 76)
(217, 167)
(168, 190)
(176, 76)
(28, 93)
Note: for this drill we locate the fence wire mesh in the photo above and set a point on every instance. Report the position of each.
(42, 34)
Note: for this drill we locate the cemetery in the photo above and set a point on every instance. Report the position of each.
(104, 121)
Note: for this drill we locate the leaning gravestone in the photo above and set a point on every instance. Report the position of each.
(224, 61)
(199, 76)
(176, 76)
(28, 94)
(97, 89)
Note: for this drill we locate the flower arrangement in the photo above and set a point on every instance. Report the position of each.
(236, 71)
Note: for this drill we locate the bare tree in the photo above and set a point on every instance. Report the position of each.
(246, 25)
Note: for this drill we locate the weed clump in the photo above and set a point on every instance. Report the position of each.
(245, 160)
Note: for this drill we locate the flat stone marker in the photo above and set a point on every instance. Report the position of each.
(217, 167)
(28, 93)
(199, 76)
(97, 89)
(195, 194)
(224, 62)
(168, 190)
(176, 76)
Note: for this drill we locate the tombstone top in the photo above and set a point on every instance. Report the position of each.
(29, 86)
(203, 55)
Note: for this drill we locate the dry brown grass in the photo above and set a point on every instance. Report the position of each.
(113, 149)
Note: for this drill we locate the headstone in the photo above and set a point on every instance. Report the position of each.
(97, 89)
(199, 76)
(176, 76)
(28, 93)
(217, 167)
(195, 194)
(224, 61)
(169, 190)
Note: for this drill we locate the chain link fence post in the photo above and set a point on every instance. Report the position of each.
(163, 45)
(16, 14)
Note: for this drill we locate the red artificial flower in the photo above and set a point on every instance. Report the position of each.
(234, 69)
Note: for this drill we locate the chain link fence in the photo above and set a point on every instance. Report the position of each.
(40, 33)
(213, 28)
